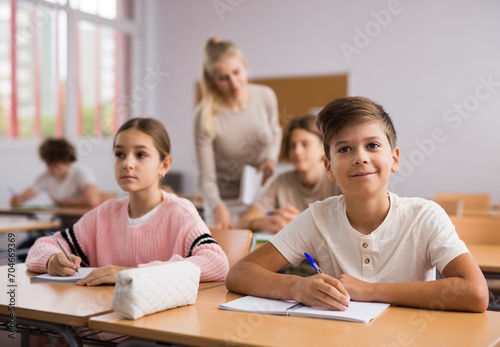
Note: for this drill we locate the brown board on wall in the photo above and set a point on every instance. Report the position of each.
(300, 95)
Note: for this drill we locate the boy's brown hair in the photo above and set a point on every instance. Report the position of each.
(351, 110)
(54, 150)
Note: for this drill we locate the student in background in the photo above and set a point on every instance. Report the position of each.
(292, 192)
(67, 184)
(371, 244)
(148, 227)
(236, 123)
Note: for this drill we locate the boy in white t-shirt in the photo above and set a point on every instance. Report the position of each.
(67, 184)
(371, 244)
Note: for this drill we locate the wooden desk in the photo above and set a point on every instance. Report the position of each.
(10, 223)
(67, 215)
(209, 285)
(203, 324)
(486, 256)
(58, 211)
(61, 303)
(56, 306)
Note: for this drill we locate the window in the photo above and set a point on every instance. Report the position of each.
(64, 66)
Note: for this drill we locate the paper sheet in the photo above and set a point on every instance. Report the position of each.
(357, 311)
(83, 271)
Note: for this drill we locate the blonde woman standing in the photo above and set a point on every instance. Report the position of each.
(236, 123)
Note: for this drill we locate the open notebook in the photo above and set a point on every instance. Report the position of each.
(362, 312)
(83, 271)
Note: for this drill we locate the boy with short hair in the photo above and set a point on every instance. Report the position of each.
(371, 244)
(67, 184)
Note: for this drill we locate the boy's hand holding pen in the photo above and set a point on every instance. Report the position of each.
(323, 291)
(12, 191)
(14, 199)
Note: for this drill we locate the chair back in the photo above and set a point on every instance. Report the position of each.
(477, 229)
(234, 242)
(473, 204)
(453, 207)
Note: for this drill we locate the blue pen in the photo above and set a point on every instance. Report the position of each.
(316, 267)
(313, 263)
(12, 191)
(269, 213)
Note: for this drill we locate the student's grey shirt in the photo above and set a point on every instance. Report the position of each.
(286, 188)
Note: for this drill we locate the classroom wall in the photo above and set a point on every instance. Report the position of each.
(434, 66)
(419, 62)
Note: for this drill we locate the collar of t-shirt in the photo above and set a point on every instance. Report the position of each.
(136, 222)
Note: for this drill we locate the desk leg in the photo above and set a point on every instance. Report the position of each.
(493, 280)
(25, 339)
(62, 330)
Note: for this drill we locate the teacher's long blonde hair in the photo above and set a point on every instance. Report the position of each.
(214, 51)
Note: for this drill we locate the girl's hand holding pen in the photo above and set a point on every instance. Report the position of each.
(322, 290)
(59, 265)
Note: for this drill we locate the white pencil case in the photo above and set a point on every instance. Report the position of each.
(146, 290)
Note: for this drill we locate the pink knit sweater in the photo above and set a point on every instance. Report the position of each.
(103, 237)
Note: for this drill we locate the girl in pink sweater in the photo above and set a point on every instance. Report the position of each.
(149, 227)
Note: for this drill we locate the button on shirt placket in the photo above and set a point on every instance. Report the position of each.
(366, 259)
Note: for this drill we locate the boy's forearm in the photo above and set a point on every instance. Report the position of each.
(250, 279)
(453, 293)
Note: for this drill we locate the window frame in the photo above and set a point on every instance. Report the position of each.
(131, 27)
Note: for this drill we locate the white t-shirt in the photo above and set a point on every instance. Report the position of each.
(416, 237)
(140, 221)
(72, 186)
